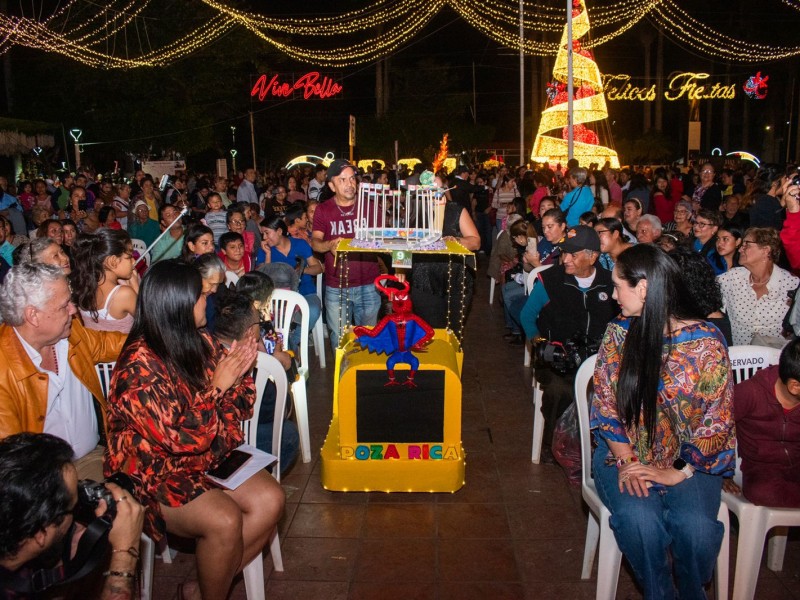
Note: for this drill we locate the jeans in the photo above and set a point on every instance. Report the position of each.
(485, 231)
(681, 520)
(314, 311)
(513, 300)
(361, 308)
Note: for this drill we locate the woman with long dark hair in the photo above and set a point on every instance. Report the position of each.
(174, 413)
(662, 414)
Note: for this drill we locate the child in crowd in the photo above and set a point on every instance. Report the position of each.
(108, 218)
(197, 241)
(236, 221)
(102, 262)
(237, 261)
(215, 217)
(296, 219)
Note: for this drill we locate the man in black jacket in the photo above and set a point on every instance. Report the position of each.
(568, 310)
(462, 190)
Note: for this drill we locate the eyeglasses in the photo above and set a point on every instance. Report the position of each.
(746, 243)
(702, 224)
(236, 222)
(707, 171)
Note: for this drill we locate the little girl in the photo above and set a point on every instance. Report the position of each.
(197, 241)
(102, 261)
(108, 218)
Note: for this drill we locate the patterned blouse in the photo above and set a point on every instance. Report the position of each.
(695, 400)
(166, 437)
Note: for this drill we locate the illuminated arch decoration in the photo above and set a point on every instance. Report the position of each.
(589, 104)
(746, 156)
(310, 159)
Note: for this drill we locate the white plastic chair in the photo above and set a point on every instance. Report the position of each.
(492, 284)
(140, 247)
(530, 279)
(267, 368)
(284, 304)
(598, 531)
(755, 522)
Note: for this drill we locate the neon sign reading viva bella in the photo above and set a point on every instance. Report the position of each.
(689, 86)
(310, 85)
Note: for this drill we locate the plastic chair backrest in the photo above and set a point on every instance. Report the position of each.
(268, 368)
(582, 379)
(104, 371)
(284, 304)
(746, 360)
(531, 276)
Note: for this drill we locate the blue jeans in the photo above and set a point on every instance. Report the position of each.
(314, 311)
(681, 520)
(361, 308)
(513, 300)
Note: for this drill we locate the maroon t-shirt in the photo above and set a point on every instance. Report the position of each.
(336, 222)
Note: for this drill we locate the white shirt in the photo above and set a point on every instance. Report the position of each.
(246, 192)
(750, 315)
(70, 409)
(314, 188)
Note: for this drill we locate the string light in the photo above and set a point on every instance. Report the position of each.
(83, 31)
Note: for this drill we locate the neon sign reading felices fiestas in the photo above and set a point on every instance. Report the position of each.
(310, 85)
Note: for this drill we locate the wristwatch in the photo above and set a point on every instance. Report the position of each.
(683, 467)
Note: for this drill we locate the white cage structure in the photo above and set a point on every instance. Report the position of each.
(397, 221)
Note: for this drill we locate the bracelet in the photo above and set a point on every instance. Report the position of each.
(628, 459)
(132, 551)
(126, 574)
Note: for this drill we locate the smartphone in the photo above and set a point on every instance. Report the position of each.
(82, 205)
(532, 245)
(228, 467)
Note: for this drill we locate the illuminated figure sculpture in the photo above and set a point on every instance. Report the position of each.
(398, 334)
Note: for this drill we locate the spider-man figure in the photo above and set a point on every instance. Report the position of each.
(397, 334)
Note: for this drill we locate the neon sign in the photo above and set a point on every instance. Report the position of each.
(688, 85)
(310, 85)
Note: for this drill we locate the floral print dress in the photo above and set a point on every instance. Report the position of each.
(164, 435)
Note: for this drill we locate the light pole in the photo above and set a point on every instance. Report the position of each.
(76, 135)
(233, 150)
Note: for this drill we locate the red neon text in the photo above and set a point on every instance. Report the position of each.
(309, 83)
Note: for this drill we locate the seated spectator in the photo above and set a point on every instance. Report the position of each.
(790, 234)
(704, 299)
(726, 255)
(588, 218)
(296, 220)
(766, 210)
(231, 251)
(174, 413)
(236, 317)
(38, 491)
(277, 247)
(554, 227)
(53, 229)
(70, 233)
(755, 295)
(671, 240)
(705, 230)
(212, 271)
(141, 226)
(648, 229)
(731, 213)
(171, 244)
(104, 283)
(197, 241)
(6, 248)
(237, 222)
(768, 432)
(683, 217)
(107, 216)
(513, 272)
(613, 241)
(632, 212)
(42, 250)
(48, 378)
(11, 236)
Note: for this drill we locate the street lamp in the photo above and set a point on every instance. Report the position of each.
(76, 135)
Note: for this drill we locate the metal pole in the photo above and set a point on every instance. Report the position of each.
(521, 87)
(253, 138)
(66, 148)
(570, 86)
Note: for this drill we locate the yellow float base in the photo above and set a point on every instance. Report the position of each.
(351, 474)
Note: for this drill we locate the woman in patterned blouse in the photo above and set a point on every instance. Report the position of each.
(662, 415)
(175, 407)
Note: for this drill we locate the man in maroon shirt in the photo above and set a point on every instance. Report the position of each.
(350, 294)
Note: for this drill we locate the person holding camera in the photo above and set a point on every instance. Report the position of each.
(39, 492)
(568, 310)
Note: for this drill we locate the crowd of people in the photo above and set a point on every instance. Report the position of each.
(659, 270)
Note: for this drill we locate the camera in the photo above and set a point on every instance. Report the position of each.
(91, 492)
(566, 357)
(796, 179)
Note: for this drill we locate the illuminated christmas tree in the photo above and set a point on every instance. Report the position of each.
(589, 104)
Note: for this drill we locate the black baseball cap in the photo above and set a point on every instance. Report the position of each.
(337, 166)
(580, 237)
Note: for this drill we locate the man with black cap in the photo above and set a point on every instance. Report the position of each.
(350, 294)
(462, 189)
(570, 305)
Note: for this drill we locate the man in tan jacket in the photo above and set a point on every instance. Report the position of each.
(48, 381)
